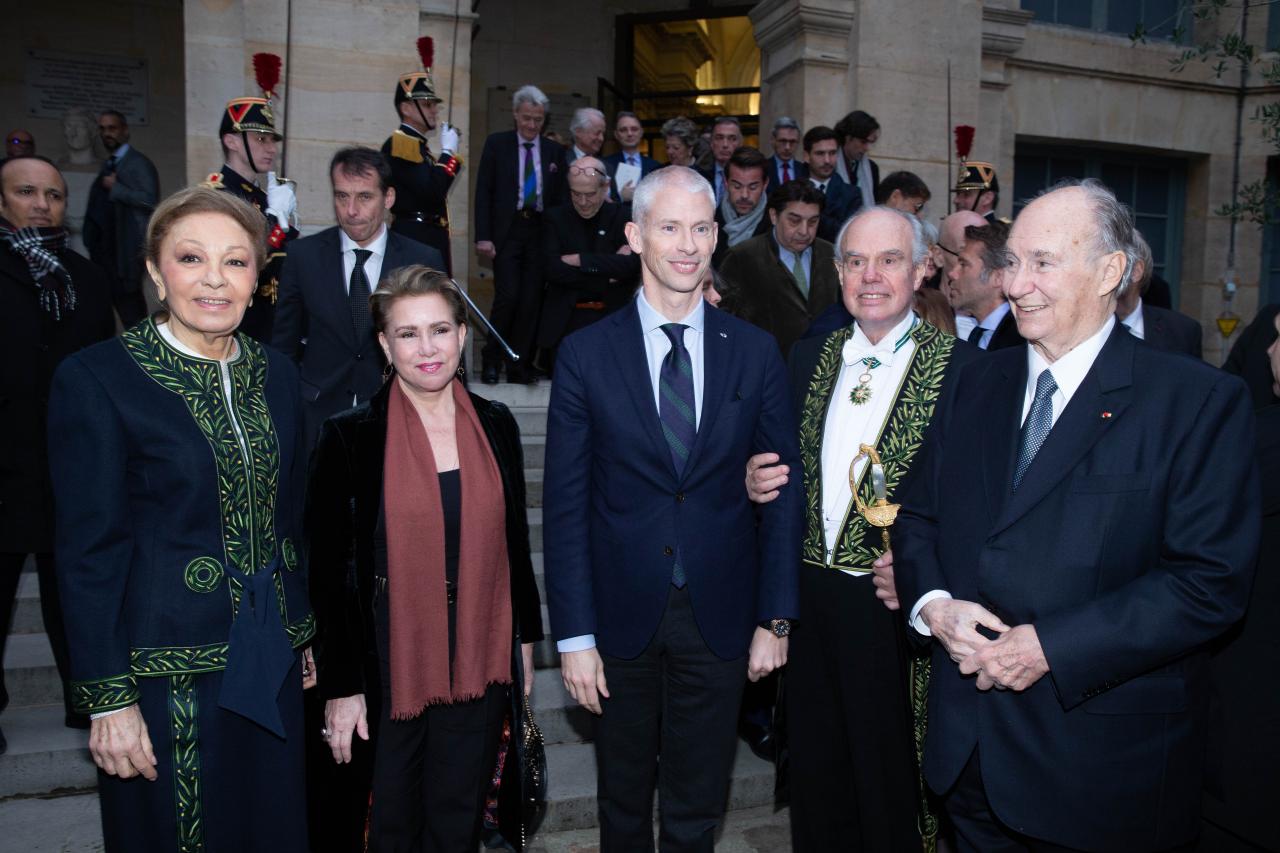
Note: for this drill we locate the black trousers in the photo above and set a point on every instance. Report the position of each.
(854, 784)
(517, 290)
(50, 608)
(977, 828)
(670, 720)
(432, 773)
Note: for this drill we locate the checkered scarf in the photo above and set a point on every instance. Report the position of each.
(39, 248)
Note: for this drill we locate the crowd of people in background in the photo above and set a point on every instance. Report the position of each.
(270, 475)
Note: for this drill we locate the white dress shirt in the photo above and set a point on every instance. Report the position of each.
(1134, 322)
(656, 347)
(964, 325)
(848, 426)
(372, 264)
(1069, 372)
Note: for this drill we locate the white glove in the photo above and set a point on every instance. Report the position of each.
(282, 201)
(448, 138)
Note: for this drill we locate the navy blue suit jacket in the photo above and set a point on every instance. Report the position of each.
(616, 511)
(313, 324)
(611, 163)
(837, 206)
(773, 174)
(1129, 546)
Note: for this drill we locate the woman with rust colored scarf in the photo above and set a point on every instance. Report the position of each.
(421, 577)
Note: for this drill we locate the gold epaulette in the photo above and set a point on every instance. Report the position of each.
(405, 147)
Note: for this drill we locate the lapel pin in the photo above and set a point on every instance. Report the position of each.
(723, 335)
(1106, 416)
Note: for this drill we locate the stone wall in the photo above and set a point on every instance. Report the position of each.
(136, 29)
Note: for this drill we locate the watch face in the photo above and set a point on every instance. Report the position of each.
(781, 627)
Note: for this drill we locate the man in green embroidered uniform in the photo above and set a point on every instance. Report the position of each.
(851, 724)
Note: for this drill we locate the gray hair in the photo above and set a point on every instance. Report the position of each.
(529, 95)
(1113, 223)
(727, 120)
(682, 128)
(681, 177)
(582, 116)
(785, 123)
(919, 248)
(930, 232)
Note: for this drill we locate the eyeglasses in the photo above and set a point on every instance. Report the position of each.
(951, 252)
(18, 140)
(585, 170)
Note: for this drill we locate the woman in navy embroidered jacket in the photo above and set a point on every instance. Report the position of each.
(421, 578)
(177, 490)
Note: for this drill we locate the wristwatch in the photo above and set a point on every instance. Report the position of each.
(777, 627)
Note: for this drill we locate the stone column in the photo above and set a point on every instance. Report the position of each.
(806, 53)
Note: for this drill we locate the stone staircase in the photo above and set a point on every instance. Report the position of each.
(44, 756)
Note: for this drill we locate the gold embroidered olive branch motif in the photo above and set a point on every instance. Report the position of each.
(104, 694)
(186, 764)
(813, 417)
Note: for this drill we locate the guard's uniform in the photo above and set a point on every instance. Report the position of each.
(980, 176)
(257, 319)
(422, 183)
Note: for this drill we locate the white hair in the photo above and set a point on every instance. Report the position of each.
(1113, 223)
(529, 95)
(681, 177)
(582, 116)
(919, 247)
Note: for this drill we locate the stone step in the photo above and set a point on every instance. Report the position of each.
(571, 785)
(30, 674)
(535, 452)
(533, 488)
(532, 422)
(517, 396)
(27, 618)
(44, 755)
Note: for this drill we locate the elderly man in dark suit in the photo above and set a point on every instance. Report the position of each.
(591, 270)
(784, 167)
(784, 278)
(665, 587)
(1081, 523)
(115, 223)
(521, 176)
(1162, 328)
(322, 315)
(54, 303)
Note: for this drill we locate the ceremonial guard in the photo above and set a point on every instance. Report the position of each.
(249, 147)
(977, 187)
(422, 181)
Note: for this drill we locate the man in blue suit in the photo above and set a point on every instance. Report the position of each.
(628, 131)
(1082, 521)
(322, 313)
(665, 587)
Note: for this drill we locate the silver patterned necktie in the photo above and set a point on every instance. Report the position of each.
(1036, 429)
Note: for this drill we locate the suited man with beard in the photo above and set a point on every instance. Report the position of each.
(115, 224)
(54, 302)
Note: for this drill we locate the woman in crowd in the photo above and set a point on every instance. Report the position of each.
(681, 136)
(421, 576)
(176, 475)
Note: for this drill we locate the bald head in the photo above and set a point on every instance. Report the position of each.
(952, 231)
(588, 186)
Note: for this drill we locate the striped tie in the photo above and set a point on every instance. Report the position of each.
(676, 410)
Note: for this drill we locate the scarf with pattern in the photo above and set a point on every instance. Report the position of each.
(39, 248)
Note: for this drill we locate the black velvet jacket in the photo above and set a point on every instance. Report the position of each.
(343, 496)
